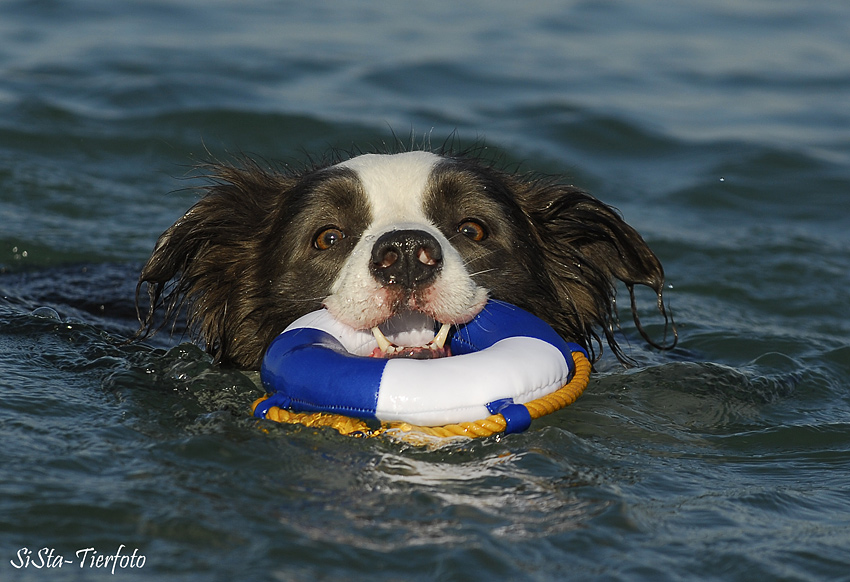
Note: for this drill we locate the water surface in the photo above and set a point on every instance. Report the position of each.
(718, 129)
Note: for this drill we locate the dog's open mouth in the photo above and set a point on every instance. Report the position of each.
(411, 335)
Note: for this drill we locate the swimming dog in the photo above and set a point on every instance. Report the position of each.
(380, 240)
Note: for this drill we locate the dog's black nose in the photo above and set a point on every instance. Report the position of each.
(410, 258)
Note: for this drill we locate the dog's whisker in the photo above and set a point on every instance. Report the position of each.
(304, 300)
(469, 261)
(482, 272)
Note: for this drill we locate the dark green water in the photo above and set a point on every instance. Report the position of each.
(720, 130)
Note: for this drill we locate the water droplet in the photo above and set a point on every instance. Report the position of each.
(46, 313)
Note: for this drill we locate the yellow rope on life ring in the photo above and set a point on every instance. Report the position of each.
(491, 425)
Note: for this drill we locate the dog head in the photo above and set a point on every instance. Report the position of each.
(396, 242)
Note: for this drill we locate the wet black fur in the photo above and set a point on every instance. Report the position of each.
(243, 264)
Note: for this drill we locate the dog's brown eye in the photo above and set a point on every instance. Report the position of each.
(472, 230)
(327, 237)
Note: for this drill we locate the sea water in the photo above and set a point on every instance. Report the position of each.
(718, 129)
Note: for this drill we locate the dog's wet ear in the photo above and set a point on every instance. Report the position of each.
(203, 262)
(589, 246)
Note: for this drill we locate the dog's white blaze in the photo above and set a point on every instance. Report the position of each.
(395, 186)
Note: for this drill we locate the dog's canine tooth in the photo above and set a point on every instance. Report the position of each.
(389, 349)
(440, 339)
(382, 340)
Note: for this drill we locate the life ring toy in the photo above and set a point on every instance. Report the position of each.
(506, 368)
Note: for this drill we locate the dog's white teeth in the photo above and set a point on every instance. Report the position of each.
(389, 349)
(382, 340)
(440, 339)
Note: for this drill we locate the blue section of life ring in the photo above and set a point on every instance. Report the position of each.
(316, 374)
(500, 320)
(502, 358)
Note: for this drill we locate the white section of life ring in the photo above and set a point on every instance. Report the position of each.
(457, 389)
(357, 342)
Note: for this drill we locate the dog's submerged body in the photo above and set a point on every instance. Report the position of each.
(382, 239)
